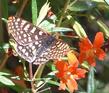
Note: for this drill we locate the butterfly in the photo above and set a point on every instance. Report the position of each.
(33, 43)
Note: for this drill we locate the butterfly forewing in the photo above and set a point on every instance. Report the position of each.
(24, 32)
(33, 44)
(28, 52)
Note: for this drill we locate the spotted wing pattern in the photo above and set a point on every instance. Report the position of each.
(36, 50)
(24, 32)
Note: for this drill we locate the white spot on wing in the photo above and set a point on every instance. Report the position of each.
(29, 39)
(20, 47)
(24, 35)
(36, 43)
(23, 50)
(25, 39)
(17, 33)
(23, 22)
(33, 30)
(26, 27)
(16, 23)
(40, 32)
(18, 19)
(36, 37)
(21, 32)
(26, 53)
(39, 45)
(20, 37)
(33, 47)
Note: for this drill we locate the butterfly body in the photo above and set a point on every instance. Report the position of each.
(33, 43)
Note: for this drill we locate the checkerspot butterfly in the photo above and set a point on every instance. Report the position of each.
(33, 43)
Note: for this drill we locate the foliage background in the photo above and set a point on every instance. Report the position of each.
(91, 16)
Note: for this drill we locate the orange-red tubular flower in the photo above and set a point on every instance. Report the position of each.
(89, 51)
(68, 73)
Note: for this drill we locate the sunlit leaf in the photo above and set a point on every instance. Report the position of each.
(4, 80)
(43, 12)
(81, 5)
(4, 73)
(107, 1)
(91, 82)
(34, 11)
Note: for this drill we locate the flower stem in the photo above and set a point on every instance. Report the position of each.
(39, 71)
(31, 76)
(20, 11)
(4, 61)
(63, 13)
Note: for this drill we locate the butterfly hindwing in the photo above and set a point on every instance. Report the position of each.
(57, 50)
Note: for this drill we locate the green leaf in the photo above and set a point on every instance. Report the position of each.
(4, 7)
(34, 11)
(104, 28)
(53, 82)
(61, 29)
(50, 27)
(91, 82)
(3, 73)
(47, 25)
(4, 80)
(43, 13)
(81, 5)
(79, 29)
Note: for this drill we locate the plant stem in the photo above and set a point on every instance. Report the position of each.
(4, 61)
(39, 71)
(20, 11)
(1, 27)
(62, 16)
(31, 76)
(63, 13)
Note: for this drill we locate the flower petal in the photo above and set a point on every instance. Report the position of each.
(82, 57)
(81, 73)
(85, 44)
(91, 60)
(62, 86)
(72, 59)
(61, 65)
(72, 85)
(100, 54)
(99, 39)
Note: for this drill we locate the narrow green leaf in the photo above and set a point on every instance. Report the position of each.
(79, 29)
(91, 83)
(50, 27)
(104, 28)
(34, 11)
(4, 73)
(4, 80)
(4, 5)
(47, 25)
(61, 29)
(43, 13)
(81, 5)
(4, 14)
(53, 82)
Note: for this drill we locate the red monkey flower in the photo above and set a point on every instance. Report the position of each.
(68, 73)
(89, 51)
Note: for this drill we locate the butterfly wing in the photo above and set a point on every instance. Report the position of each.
(39, 54)
(56, 51)
(27, 52)
(24, 32)
(33, 44)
